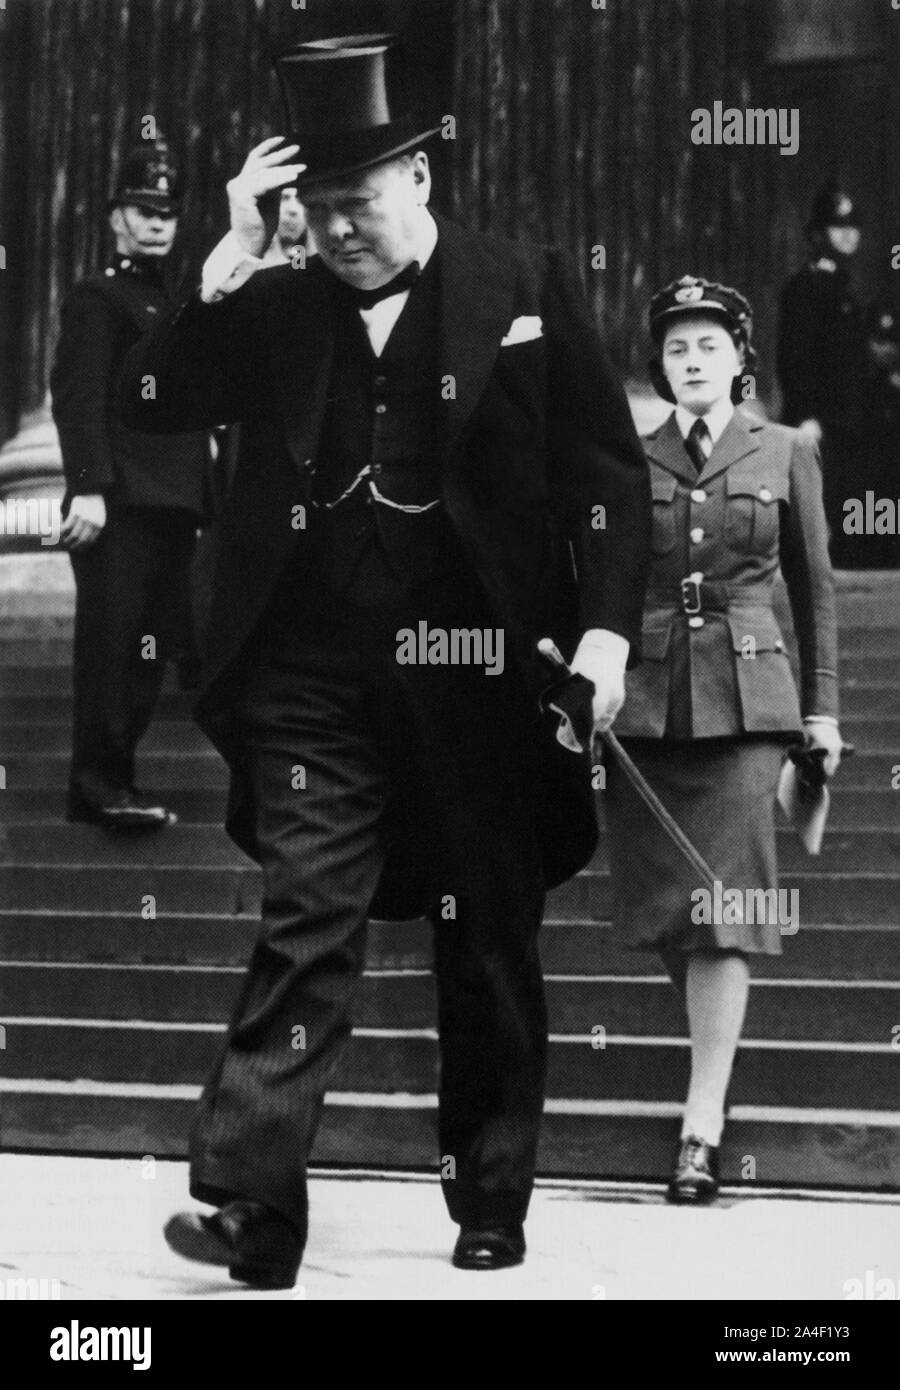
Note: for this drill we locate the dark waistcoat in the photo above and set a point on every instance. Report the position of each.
(381, 417)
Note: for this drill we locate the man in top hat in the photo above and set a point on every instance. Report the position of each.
(438, 468)
(821, 357)
(131, 504)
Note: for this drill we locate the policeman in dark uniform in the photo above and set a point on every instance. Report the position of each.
(881, 474)
(131, 506)
(821, 359)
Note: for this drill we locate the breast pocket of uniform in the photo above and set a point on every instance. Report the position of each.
(751, 512)
(664, 486)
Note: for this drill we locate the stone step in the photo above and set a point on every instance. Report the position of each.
(779, 1010)
(860, 849)
(161, 771)
(627, 1140)
(183, 736)
(803, 1074)
(56, 651)
(851, 897)
(823, 897)
(197, 808)
(824, 951)
(870, 767)
(874, 671)
(877, 808)
(859, 700)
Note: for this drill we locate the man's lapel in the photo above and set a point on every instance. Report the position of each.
(477, 291)
(738, 439)
(666, 447)
(302, 327)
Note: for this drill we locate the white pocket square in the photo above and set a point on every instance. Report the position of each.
(523, 329)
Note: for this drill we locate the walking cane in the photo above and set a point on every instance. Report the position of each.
(568, 697)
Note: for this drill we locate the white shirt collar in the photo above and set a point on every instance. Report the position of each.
(716, 419)
(424, 250)
(381, 318)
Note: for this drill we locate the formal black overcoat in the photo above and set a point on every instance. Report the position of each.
(543, 477)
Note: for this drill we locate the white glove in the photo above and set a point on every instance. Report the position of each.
(601, 657)
(84, 521)
(824, 733)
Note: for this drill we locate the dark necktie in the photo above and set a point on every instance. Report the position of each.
(697, 437)
(365, 299)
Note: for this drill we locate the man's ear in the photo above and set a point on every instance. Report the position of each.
(422, 174)
(116, 221)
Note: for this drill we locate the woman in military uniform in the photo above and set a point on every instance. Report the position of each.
(709, 711)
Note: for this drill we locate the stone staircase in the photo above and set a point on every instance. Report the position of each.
(111, 1020)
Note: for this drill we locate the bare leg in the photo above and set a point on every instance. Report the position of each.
(717, 988)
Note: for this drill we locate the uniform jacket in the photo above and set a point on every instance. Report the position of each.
(536, 446)
(756, 504)
(821, 351)
(102, 318)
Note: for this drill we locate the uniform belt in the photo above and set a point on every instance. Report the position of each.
(715, 595)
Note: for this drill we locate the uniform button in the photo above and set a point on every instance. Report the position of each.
(696, 622)
(765, 495)
(697, 534)
(779, 645)
(380, 408)
(698, 495)
(109, 271)
(381, 381)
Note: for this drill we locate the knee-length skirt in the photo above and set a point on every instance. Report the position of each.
(722, 793)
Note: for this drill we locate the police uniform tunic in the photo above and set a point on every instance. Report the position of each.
(821, 359)
(708, 713)
(132, 582)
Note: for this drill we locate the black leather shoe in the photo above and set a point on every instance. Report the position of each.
(125, 810)
(493, 1247)
(258, 1246)
(696, 1176)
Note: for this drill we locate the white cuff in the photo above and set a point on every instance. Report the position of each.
(226, 268)
(610, 644)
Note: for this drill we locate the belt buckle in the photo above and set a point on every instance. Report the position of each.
(690, 594)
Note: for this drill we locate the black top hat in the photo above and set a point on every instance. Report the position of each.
(149, 178)
(693, 295)
(832, 207)
(347, 104)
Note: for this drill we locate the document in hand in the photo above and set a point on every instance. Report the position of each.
(803, 795)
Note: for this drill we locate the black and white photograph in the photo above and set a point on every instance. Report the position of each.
(449, 663)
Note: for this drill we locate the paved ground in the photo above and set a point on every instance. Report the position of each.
(93, 1225)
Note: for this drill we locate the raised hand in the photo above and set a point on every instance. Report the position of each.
(254, 194)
